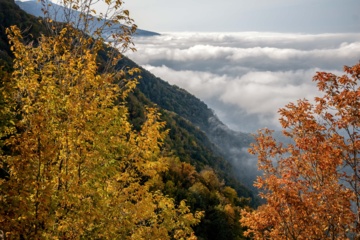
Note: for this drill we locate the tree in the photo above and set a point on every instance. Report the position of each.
(76, 167)
(311, 186)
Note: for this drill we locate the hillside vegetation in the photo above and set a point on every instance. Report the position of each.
(94, 147)
(156, 163)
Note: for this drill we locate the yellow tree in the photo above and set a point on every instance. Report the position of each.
(104, 22)
(311, 186)
(77, 170)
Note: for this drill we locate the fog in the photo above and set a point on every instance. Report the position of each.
(246, 77)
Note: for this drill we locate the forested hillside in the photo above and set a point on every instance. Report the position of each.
(221, 140)
(227, 143)
(196, 171)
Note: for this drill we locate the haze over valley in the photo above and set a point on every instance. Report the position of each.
(246, 77)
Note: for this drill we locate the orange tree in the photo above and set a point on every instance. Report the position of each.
(311, 185)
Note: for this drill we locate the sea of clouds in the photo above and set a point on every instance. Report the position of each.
(246, 77)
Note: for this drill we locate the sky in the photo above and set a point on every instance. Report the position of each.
(305, 16)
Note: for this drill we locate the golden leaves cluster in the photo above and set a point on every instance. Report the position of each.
(77, 169)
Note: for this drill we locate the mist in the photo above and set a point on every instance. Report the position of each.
(246, 77)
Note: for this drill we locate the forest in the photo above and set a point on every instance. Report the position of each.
(89, 150)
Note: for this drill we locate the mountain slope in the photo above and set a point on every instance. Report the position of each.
(229, 144)
(190, 123)
(188, 142)
(192, 115)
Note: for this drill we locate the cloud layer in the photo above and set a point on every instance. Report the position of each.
(246, 77)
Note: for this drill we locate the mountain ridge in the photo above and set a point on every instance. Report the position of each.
(34, 8)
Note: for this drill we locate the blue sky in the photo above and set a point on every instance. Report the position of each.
(306, 16)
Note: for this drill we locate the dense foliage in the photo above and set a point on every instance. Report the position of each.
(75, 167)
(11, 14)
(185, 174)
(83, 157)
(312, 186)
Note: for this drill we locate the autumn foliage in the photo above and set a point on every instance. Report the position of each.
(312, 185)
(76, 168)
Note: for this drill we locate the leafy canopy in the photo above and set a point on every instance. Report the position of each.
(76, 168)
(312, 185)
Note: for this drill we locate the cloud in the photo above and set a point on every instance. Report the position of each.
(204, 85)
(255, 93)
(246, 77)
(248, 39)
